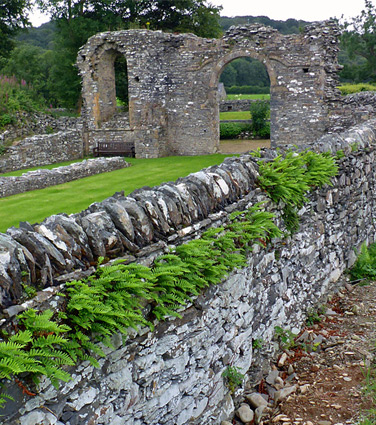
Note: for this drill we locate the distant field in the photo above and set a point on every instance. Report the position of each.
(235, 115)
(77, 195)
(249, 96)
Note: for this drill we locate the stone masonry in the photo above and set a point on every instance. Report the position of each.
(173, 375)
(173, 85)
(42, 178)
(43, 149)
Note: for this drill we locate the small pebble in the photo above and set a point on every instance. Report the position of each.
(245, 413)
(304, 388)
(282, 360)
(336, 406)
(282, 418)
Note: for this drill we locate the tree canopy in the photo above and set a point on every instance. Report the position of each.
(359, 41)
(197, 16)
(13, 16)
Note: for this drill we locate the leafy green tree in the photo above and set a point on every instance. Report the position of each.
(42, 36)
(13, 17)
(359, 39)
(245, 72)
(32, 64)
(228, 76)
(195, 16)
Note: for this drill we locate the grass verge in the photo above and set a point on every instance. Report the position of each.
(77, 195)
(248, 96)
(235, 115)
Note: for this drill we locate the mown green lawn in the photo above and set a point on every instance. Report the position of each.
(79, 194)
(235, 115)
(248, 96)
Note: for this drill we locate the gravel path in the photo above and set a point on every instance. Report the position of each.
(242, 146)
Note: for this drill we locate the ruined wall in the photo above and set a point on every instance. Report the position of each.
(42, 178)
(173, 84)
(30, 123)
(235, 105)
(174, 374)
(352, 109)
(43, 150)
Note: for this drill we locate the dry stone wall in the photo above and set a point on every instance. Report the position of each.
(236, 105)
(43, 150)
(29, 123)
(173, 84)
(174, 374)
(42, 178)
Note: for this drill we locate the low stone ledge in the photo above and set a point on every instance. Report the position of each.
(43, 178)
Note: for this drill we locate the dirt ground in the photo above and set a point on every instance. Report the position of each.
(334, 377)
(242, 146)
(330, 379)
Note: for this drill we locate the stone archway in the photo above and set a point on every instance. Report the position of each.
(173, 81)
(236, 54)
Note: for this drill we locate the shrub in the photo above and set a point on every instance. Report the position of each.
(260, 111)
(231, 130)
(16, 96)
(365, 265)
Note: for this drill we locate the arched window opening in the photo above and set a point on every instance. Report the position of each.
(244, 105)
(121, 83)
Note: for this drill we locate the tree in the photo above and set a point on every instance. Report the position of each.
(13, 16)
(228, 76)
(359, 39)
(195, 16)
(77, 20)
(245, 72)
(32, 64)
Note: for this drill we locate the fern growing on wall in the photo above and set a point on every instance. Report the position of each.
(289, 178)
(105, 303)
(37, 348)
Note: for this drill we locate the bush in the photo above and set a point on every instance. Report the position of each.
(16, 96)
(247, 90)
(365, 265)
(356, 88)
(231, 130)
(260, 111)
(264, 132)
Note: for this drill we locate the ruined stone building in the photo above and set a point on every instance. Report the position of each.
(173, 86)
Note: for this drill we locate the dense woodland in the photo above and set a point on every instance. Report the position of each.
(39, 62)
